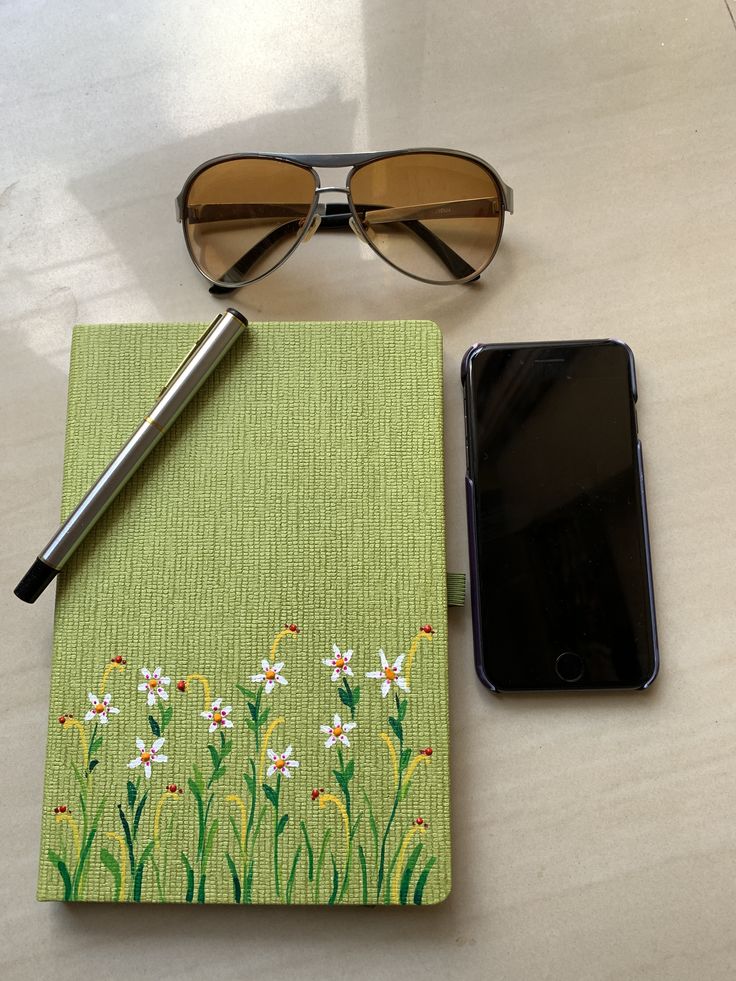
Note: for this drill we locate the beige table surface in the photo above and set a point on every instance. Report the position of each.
(594, 837)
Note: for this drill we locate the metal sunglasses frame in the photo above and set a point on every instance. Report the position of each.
(333, 215)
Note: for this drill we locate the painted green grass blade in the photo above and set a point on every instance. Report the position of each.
(235, 878)
(373, 826)
(408, 873)
(335, 881)
(132, 794)
(113, 867)
(138, 812)
(201, 889)
(128, 838)
(210, 841)
(190, 878)
(321, 862)
(363, 875)
(310, 853)
(292, 874)
(63, 872)
(422, 881)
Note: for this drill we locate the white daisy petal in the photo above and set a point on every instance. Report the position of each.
(348, 670)
(336, 650)
(325, 728)
(344, 740)
(258, 677)
(227, 723)
(329, 742)
(89, 716)
(272, 755)
(140, 744)
(113, 710)
(206, 715)
(278, 666)
(162, 758)
(401, 683)
(143, 687)
(146, 673)
(335, 676)
(269, 686)
(135, 762)
(227, 710)
(398, 662)
(374, 674)
(158, 744)
(281, 680)
(292, 763)
(329, 661)
(147, 768)
(349, 725)
(385, 687)
(151, 698)
(286, 773)
(265, 665)
(103, 719)
(157, 673)
(216, 704)
(287, 753)
(384, 661)
(162, 693)
(165, 681)
(347, 655)
(213, 727)
(336, 720)
(270, 771)
(92, 698)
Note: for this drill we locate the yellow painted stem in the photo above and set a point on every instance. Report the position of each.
(205, 688)
(412, 653)
(113, 666)
(123, 853)
(269, 732)
(277, 640)
(324, 800)
(76, 724)
(234, 799)
(394, 757)
(400, 860)
(157, 817)
(66, 818)
(415, 763)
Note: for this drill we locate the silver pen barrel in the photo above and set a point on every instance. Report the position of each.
(176, 394)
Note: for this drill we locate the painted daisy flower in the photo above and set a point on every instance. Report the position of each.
(218, 716)
(337, 732)
(148, 756)
(339, 662)
(389, 673)
(154, 685)
(270, 675)
(100, 709)
(280, 763)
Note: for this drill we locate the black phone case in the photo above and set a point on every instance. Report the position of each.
(472, 531)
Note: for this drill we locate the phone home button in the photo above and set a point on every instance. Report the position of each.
(569, 666)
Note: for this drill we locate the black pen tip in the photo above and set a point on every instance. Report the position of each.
(33, 583)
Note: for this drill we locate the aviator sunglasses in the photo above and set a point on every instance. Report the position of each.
(435, 215)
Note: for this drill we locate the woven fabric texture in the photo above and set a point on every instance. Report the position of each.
(268, 590)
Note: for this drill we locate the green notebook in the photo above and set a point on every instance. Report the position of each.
(249, 685)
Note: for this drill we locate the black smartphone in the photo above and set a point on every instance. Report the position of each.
(560, 568)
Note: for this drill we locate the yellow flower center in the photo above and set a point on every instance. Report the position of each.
(340, 662)
(99, 708)
(280, 764)
(217, 717)
(390, 674)
(145, 756)
(152, 683)
(270, 674)
(337, 731)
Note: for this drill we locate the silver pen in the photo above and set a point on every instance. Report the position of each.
(174, 396)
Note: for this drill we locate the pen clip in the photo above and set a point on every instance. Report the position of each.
(185, 360)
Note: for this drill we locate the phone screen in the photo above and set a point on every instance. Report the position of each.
(561, 566)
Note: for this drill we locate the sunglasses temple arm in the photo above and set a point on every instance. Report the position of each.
(336, 217)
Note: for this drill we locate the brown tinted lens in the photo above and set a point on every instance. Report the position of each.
(432, 215)
(242, 217)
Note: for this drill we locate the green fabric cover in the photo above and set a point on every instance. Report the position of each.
(302, 487)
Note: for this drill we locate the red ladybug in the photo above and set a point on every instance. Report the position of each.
(181, 685)
(292, 627)
(171, 788)
(62, 808)
(426, 752)
(420, 821)
(426, 629)
(62, 719)
(315, 794)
